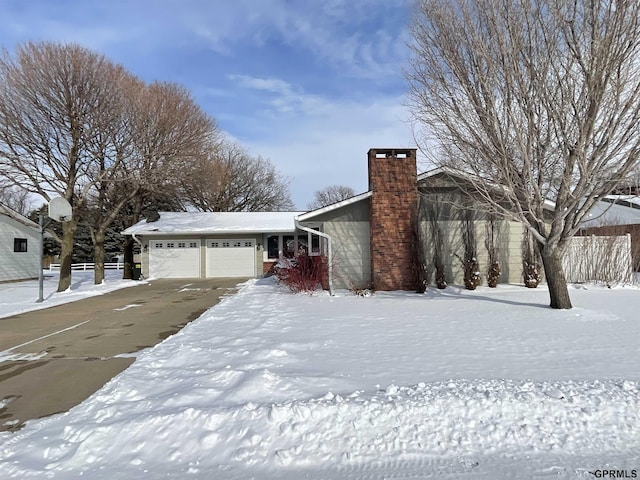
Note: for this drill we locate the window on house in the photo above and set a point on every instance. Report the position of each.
(315, 244)
(19, 244)
(288, 246)
(272, 247)
(193, 245)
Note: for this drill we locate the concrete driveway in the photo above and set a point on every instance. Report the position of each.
(66, 353)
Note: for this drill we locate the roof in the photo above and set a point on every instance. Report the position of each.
(607, 213)
(547, 204)
(215, 223)
(8, 212)
(334, 206)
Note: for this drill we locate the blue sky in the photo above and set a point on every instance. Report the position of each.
(310, 84)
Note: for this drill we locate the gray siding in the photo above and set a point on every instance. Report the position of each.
(351, 255)
(509, 244)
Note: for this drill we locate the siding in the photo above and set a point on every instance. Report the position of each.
(350, 236)
(509, 245)
(18, 265)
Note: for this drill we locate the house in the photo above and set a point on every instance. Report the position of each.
(19, 246)
(616, 215)
(371, 237)
(216, 244)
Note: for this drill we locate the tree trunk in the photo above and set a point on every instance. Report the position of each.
(556, 280)
(128, 258)
(98, 257)
(68, 238)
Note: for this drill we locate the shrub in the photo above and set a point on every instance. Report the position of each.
(304, 273)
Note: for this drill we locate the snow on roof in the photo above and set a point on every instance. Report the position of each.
(606, 213)
(4, 210)
(634, 200)
(216, 222)
(335, 206)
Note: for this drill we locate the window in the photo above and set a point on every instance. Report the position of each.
(170, 245)
(158, 245)
(226, 244)
(20, 245)
(215, 244)
(288, 246)
(248, 244)
(315, 244)
(193, 245)
(182, 245)
(237, 244)
(272, 247)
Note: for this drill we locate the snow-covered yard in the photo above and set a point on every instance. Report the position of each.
(20, 297)
(449, 384)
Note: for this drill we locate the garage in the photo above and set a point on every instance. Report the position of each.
(231, 258)
(174, 258)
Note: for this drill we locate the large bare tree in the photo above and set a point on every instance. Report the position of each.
(538, 100)
(152, 139)
(229, 179)
(329, 195)
(51, 101)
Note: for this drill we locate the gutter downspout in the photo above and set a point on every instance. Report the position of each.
(329, 253)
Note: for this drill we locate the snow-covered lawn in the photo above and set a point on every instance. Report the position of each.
(453, 384)
(20, 297)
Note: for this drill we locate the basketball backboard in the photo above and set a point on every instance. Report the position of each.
(59, 209)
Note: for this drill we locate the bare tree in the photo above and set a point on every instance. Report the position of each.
(540, 98)
(329, 195)
(144, 149)
(14, 197)
(51, 96)
(226, 178)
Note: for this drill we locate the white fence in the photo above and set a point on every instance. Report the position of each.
(55, 267)
(604, 259)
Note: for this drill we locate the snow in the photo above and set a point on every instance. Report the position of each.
(20, 297)
(605, 213)
(448, 384)
(217, 222)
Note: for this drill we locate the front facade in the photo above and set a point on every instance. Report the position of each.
(218, 244)
(372, 238)
(19, 247)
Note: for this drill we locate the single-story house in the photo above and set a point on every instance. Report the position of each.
(616, 215)
(370, 236)
(19, 246)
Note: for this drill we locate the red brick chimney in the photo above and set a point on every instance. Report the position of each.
(393, 182)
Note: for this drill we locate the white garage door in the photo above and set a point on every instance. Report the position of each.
(231, 258)
(176, 258)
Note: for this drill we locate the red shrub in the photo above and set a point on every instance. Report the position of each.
(303, 274)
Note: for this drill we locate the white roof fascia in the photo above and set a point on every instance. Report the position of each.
(334, 206)
(4, 210)
(200, 233)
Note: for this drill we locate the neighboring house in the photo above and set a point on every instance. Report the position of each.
(19, 246)
(616, 215)
(371, 235)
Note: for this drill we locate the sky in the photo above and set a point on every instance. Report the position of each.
(311, 85)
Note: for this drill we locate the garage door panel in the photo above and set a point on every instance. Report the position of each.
(174, 258)
(231, 258)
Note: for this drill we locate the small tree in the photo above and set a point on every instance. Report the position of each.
(530, 262)
(469, 260)
(492, 244)
(330, 195)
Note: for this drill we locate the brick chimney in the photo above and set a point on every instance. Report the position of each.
(393, 182)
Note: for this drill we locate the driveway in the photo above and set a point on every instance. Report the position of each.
(64, 354)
